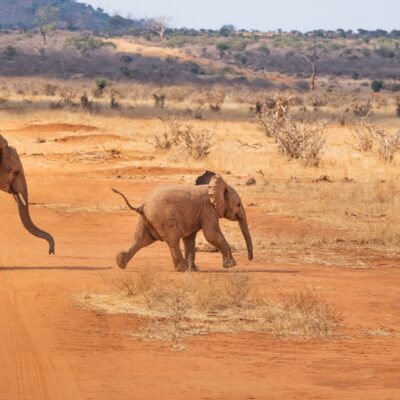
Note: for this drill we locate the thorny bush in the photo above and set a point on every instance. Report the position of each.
(296, 140)
(183, 136)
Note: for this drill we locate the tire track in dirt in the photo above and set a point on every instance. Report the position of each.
(22, 370)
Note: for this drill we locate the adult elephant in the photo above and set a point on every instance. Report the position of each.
(173, 212)
(12, 180)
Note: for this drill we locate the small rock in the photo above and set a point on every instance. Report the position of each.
(324, 178)
(251, 181)
(347, 180)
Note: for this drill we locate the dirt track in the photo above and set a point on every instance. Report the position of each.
(52, 349)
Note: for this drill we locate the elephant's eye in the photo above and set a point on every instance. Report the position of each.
(238, 204)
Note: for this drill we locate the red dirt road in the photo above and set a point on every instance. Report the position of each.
(52, 349)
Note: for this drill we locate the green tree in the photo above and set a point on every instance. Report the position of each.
(227, 30)
(46, 18)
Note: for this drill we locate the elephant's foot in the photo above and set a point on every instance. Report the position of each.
(121, 260)
(182, 267)
(229, 262)
(194, 268)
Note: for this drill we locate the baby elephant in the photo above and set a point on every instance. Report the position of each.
(174, 212)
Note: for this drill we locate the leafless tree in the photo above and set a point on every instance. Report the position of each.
(158, 25)
(315, 55)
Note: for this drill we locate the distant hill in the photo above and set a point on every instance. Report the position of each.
(71, 15)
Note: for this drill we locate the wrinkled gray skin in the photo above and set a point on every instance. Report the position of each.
(173, 212)
(12, 180)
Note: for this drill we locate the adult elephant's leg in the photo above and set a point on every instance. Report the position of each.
(142, 239)
(190, 251)
(212, 233)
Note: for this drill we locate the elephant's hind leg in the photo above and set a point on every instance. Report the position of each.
(142, 239)
(180, 263)
(190, 251)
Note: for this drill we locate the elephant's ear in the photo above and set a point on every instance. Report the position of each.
(205, 178)
(217, 191)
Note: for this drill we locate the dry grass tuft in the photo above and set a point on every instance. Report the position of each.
(196, 305)
(389, 145)
(302, 312)
(364, 134)
(367, 134)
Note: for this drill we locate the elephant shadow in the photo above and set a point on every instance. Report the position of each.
(54, 268)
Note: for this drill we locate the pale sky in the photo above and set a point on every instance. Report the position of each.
(263, 14)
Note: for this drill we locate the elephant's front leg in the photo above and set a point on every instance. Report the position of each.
(212, 233)
(190, 251)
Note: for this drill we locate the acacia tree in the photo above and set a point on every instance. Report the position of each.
(314, 55)
(46, 18)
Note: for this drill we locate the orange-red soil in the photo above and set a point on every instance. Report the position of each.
(53, 349)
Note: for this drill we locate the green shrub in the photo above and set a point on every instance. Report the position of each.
(376, 86)
(87, 43)
(263, 49)
(222, 47)
(101, 84)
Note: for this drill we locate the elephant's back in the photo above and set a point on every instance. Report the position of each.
(171, 193)
(173, 207)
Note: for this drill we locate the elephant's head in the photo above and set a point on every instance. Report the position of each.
(228, 204)
(12, 180)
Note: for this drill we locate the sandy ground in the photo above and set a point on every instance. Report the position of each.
(52, 349)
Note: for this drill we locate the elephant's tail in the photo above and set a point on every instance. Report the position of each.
(137, 209)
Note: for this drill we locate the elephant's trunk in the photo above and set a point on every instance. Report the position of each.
(246, 234)
(24, 214)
